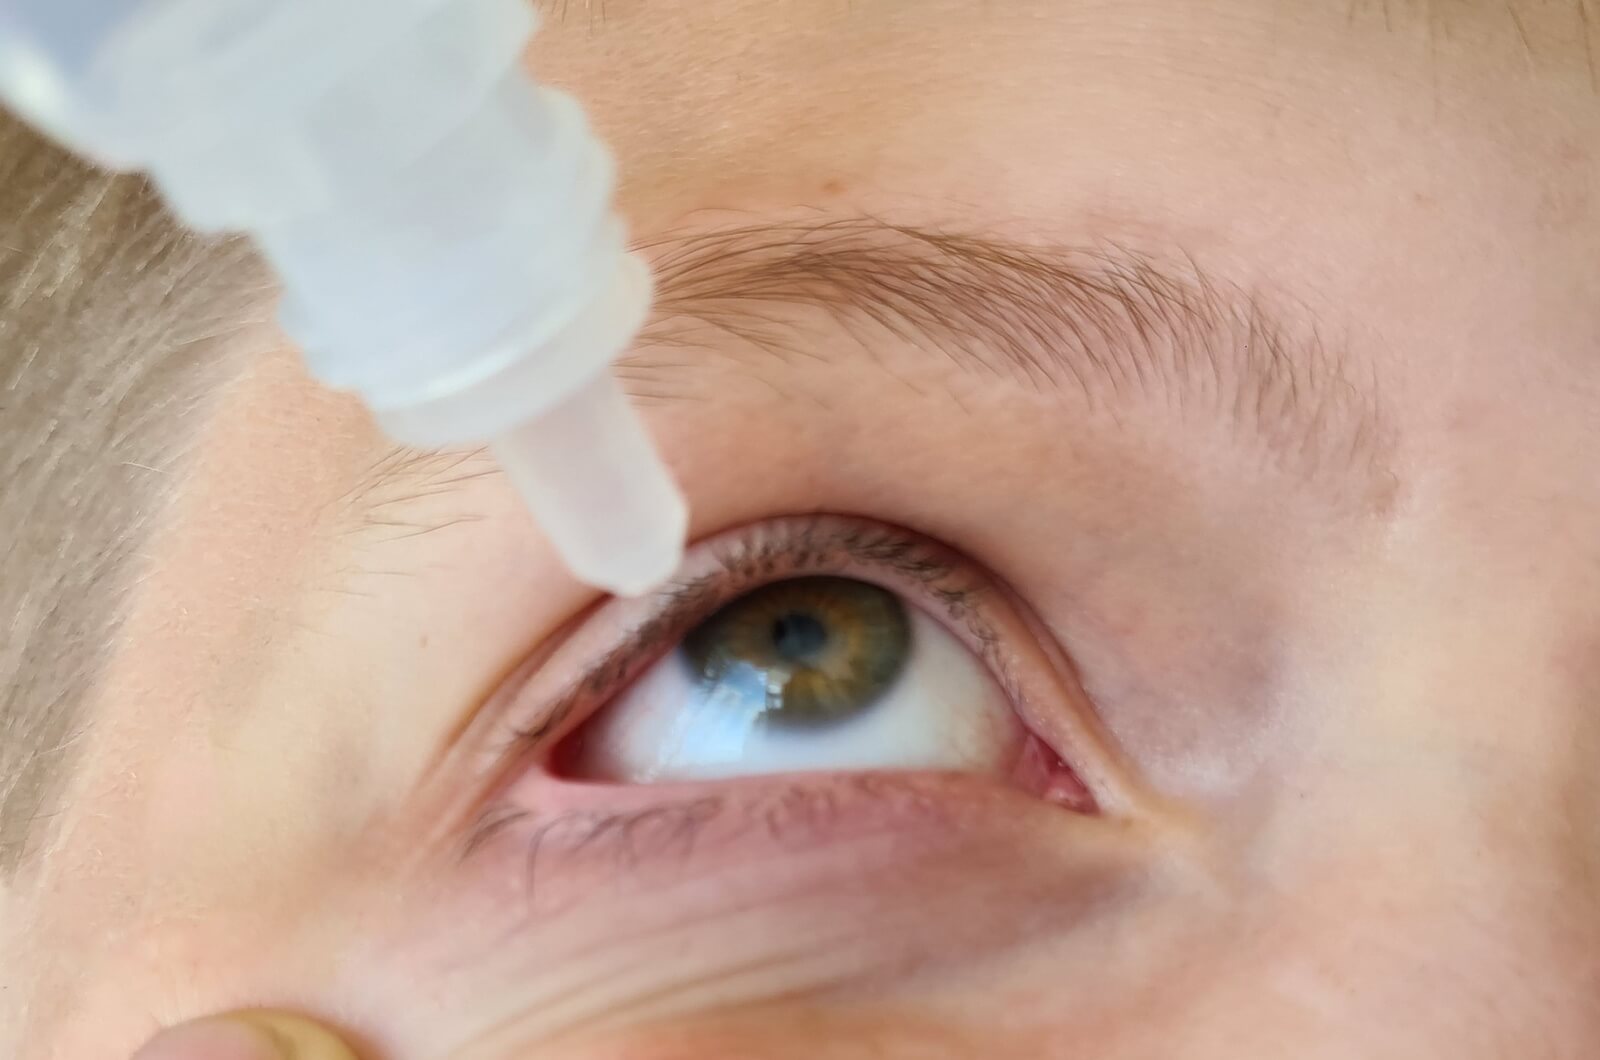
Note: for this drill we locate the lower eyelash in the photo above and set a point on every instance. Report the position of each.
(621, 840)
(611, 845)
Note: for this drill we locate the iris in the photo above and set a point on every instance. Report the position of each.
(818, 650)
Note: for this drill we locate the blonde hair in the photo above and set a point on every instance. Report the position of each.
(108, 316)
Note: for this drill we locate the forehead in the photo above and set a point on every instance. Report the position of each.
(820, 85)
(1422, 176)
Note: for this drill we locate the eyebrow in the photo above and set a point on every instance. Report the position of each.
(1114, 329)
(1111, 328)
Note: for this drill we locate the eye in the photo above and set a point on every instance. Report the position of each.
(802, 674)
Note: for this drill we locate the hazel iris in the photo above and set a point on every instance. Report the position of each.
(822, 648)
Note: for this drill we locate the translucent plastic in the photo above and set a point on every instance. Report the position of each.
(606, 502)
(441, 225)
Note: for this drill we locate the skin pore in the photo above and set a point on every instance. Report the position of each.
(1339, 726)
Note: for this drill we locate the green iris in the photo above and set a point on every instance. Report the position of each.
(822, 649)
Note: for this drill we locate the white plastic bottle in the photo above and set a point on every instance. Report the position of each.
(442, 226)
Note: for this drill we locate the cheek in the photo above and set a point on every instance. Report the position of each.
(545, 934)
(198, 922)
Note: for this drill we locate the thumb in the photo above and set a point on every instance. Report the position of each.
(255, 1035)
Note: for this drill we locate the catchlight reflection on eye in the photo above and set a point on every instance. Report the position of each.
(810, 673)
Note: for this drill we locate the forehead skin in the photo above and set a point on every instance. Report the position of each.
(1420, 178)
(1341, 153)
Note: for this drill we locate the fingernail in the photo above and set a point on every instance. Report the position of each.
(213, 1039)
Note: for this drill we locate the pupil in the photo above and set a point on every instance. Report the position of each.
(798, 637)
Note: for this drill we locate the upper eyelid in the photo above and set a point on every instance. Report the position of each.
(779, 548)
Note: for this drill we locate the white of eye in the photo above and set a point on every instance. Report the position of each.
(943, 712)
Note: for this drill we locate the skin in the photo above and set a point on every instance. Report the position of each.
(1344, 748)
(257, 1035)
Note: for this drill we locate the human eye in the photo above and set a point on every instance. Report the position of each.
(829, 645)
(832, 747)
(813, 672)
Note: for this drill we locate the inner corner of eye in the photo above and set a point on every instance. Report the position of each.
(807, 674)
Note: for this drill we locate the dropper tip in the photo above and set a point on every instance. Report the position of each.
(646, 562)
(599, 490)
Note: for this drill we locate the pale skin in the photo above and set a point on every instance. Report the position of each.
(1344, 751)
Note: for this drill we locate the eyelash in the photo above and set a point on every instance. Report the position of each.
(746, 558)
(622, 638)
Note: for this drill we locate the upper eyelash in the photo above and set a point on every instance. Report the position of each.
(747, 561)
(875, 545)
(758, 556)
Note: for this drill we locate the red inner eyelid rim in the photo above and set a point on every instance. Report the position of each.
(1037, 688)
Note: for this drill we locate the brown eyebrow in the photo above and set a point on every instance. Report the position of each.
(1110, 327)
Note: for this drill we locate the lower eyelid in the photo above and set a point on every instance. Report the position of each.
(596, 875)
(613, 646)
(569, 841)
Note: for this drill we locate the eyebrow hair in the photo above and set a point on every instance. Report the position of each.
(1107, 326)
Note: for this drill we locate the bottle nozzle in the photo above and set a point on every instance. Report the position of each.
(598, 489)
(442, 226)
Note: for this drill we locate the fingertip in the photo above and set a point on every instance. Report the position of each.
(211, 1039)
(257, 1035)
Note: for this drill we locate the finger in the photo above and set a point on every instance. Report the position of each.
(257, 1035)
